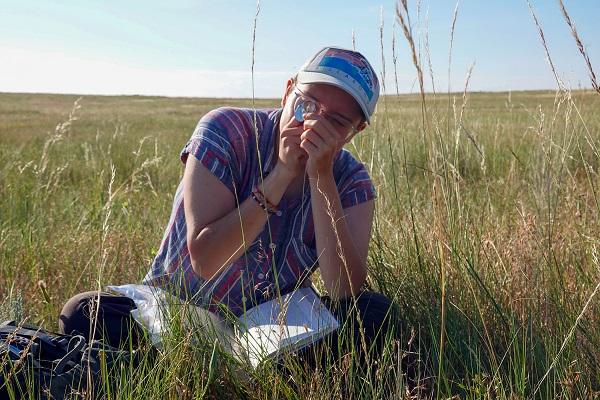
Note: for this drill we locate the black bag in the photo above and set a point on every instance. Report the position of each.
(50, 365)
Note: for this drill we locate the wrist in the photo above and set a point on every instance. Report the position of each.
(281, 176)
(320, 173)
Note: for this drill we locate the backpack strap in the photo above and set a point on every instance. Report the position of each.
(41, 341)
(13, 352)
(28, 331)
(74, 353)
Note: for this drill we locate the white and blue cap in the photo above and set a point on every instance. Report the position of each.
(349, 70)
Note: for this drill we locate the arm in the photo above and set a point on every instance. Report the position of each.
(218, 231)
(342, 236)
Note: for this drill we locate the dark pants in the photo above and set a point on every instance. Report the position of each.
(114, 324)
(365, 325)
(116, 327)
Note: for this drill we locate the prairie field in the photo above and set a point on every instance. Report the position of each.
(486, 236)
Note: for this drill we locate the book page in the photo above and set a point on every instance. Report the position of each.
(297, 319)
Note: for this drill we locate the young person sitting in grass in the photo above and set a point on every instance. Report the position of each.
(267, 197)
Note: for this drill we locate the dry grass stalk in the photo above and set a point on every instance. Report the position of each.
(256, 133)
(461, 127)
(450, 47)
(579, 46)
(381, 25)
(61, 131)
(559, 82)
(342, 257)
(567, 339)
(404, 19)
(395, 58)
(252, 78)
(428, 53)
(254, 46)
(452, 28)
(464, 97)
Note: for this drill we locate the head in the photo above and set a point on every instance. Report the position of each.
(342, 82)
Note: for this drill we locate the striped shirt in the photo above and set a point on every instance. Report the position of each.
(226, 142)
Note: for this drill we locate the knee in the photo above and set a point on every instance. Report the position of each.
(377, 312)
(75, 315)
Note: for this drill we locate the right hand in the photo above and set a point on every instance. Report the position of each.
(292, 158)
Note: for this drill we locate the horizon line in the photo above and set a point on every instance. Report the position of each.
(580, 89)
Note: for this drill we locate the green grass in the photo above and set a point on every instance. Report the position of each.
(486, 236)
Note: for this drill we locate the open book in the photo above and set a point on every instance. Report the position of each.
(268, 330)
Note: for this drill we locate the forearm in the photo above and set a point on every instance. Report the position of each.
(342, 269)
(223, 241)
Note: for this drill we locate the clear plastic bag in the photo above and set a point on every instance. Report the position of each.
(157, 309)
(151, 303)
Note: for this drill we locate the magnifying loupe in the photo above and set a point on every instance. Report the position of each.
(303, 107)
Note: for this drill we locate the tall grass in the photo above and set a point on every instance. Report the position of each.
(485, 236)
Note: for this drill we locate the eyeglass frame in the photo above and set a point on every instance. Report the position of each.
(350, 128)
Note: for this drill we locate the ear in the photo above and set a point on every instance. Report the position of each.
(288, 89)
(360, 127)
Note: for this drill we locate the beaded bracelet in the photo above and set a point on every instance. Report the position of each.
(265, 204)
(264, 198)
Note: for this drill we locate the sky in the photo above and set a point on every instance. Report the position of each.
(203, 48)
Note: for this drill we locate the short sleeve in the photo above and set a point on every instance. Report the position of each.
(212, 145)
(353, 181)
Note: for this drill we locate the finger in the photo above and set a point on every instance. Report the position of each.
(291, 132)
(291, 144)
(324, 129)
(291, 124)
(310, 148)
(291, 140)
(314, 137)
(295, 147)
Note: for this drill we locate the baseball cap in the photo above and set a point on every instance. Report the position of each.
(347, 69)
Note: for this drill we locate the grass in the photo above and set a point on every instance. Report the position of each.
(499, 218)
(486, 234)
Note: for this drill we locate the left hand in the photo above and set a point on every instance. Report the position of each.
(322, 142)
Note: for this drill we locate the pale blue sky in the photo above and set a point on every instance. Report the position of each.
(203, 47)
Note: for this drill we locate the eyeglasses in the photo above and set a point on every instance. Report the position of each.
(304, 104)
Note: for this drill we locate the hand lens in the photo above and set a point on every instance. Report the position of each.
(303, 107)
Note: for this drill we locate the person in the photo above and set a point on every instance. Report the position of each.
(267, 197)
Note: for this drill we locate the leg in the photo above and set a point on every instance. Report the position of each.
(114, 324)
(365, 321)
(380, 319)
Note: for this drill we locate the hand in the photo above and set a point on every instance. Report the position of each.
(292, 158)
(321, 141)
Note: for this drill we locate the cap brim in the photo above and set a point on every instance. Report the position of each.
(305, 77)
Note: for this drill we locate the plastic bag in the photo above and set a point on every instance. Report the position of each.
(156, 308)
(151, 303)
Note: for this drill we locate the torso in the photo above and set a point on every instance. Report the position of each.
(285, 251)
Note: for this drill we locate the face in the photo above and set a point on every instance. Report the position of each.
(333, 103)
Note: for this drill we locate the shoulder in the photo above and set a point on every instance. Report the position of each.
(227, 133)
(352, 179)
(346, 165)
(234, 120)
